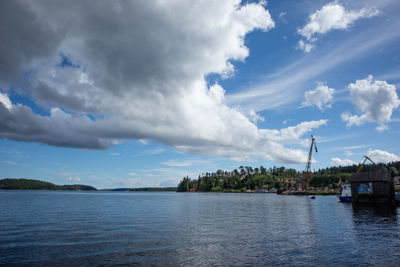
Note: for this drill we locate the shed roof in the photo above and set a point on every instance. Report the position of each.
(380, 176)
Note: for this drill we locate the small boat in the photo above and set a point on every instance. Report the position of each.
(345, 193)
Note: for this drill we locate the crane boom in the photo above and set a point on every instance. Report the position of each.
(362, 165)
(306, 174)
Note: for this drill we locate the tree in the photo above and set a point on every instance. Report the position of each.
(184, 185)
(394, 171)
(263, 170)
(242, 171)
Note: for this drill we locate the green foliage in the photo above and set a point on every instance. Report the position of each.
(26, 184)
(246, 178)
(184, 185)
(29, 184)
(216, 189)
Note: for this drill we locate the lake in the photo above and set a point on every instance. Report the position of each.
(151, 228)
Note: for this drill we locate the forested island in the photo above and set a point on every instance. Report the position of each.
(30, 184)
(247, 179)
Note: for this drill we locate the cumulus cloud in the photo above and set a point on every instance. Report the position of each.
(376, 101)
(321, 97)
(292, 134)
(382, 156)
(332, 16)
(217, 93)
(122, 70)
(341, 162)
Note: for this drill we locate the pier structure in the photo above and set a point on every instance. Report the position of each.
(372, 187)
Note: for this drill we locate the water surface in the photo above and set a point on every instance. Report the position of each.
(133, 228)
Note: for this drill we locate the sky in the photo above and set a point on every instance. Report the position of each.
(142, 93)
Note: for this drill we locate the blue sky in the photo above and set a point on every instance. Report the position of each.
(137, 93)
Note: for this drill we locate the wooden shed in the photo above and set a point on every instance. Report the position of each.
(372, 187)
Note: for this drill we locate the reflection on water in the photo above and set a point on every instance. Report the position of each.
(375, 212)
(376, 226)
(77, 228)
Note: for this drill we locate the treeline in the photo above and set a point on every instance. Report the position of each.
(248, 178)
(30, 184)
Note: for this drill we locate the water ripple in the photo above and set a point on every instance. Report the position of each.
(46, 228)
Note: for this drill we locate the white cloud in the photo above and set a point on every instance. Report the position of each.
(382, 156)
(305, 46)
(269, 144)
(254, 117)
(376, 101)
(137, 72)
(217, 93)
(5, 101)
(332, 16)
(341, 162)
(293, 134)
(322, 96)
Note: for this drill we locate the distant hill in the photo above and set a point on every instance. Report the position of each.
(30, 184)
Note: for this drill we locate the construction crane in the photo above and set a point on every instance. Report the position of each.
(306, 174)
(362, 165)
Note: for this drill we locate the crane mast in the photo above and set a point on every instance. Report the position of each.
(306, 174)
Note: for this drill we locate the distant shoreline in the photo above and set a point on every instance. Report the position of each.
(32, 184)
